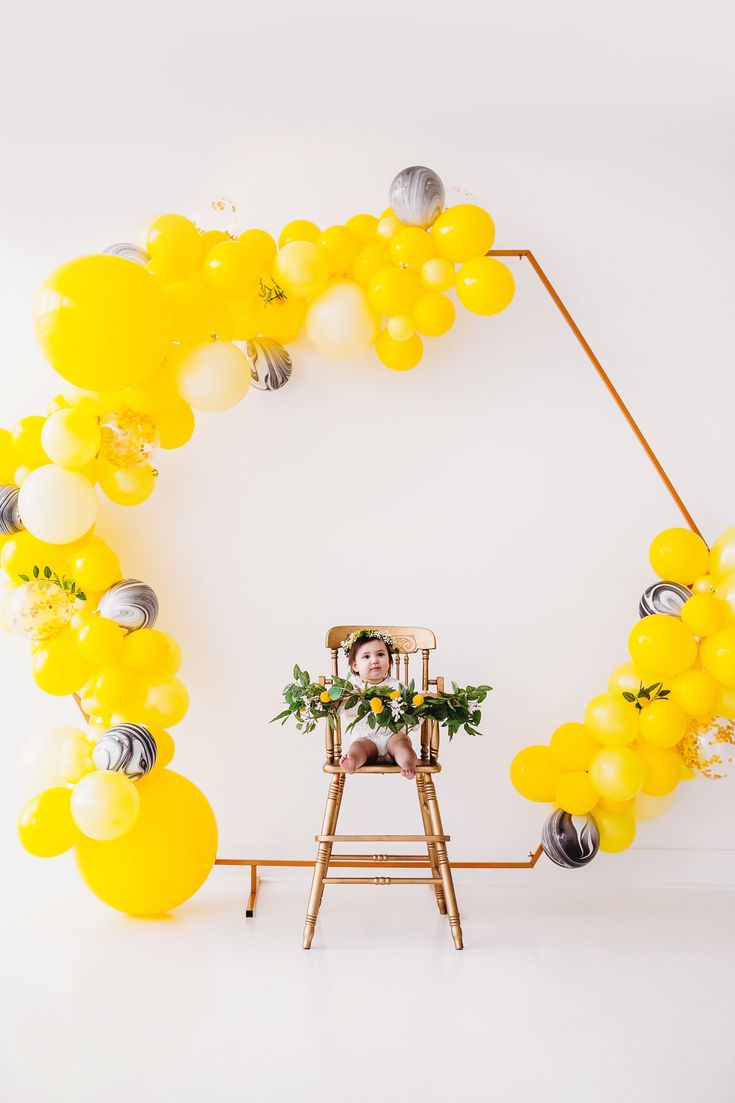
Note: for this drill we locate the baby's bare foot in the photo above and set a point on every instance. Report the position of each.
(409, 771)
(348, 764)
(407, 761)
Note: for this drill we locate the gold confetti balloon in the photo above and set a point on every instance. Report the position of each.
(708, 748)
(129, 438)
(40, 609)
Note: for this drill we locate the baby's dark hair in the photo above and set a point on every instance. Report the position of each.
(352, 653)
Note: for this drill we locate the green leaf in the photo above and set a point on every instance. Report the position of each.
(24, 577)
(36, 572)
(81, 595)
(335, 693)
(47, 572)
(296, 672)
(629, 696)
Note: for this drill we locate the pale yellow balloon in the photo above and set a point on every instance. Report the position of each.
(400, 327)
(617, 830)
(214, 376)
(722, 554)
(104, 804)
(41, 754)
(71, 437)
(301, 268)
(646, 807)
(340, 323)
(726, 591)
(387, 227)
(437, 274)
(57, 505)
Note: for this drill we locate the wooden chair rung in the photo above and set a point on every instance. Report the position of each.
(381, 880)
(378, 858)
(382, 838)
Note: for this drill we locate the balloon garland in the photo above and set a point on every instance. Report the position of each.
(667, 715)
(144, 335)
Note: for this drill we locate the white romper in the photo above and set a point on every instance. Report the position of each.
(362, 729)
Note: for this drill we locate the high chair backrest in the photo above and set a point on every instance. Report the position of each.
(409, 641)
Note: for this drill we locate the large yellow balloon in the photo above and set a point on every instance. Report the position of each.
(57, 666)
(611, 720)
(617, 830)
(192, 310)
(679, 555)
(573, 746)
(662, 723)
(105, 804)
(717, 653)
(45, 825)
(214, 377)
(722, 555)
(485, 285)
(575, 793)
(535, 773)
(463, 232)
(663, 768)
(57, 505)
(617, 773)
(340, 323)
(164, 858)
(103, 322)
(662, 642)
(302, 269)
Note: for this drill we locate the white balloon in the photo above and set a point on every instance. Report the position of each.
(57, 505)
(41, 755)
(340, 323)
(214, 377)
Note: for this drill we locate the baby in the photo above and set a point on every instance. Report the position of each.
(369, 661)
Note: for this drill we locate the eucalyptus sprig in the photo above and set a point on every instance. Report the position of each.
(646, 694)
(384, 707)
(67, 584)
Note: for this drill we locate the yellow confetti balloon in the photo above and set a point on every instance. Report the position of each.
(128, 438)
(485, 285)
(103, 322)
(679, 555)
(708, 748)
(39, 609)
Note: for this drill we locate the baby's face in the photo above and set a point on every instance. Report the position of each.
(371, 661)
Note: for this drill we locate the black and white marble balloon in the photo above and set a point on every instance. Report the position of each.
(130, 603)
(570, 841)
(129, 749)
(417, 196)
(10, 521)
(663, 597)
(128, 251)
(270, 363)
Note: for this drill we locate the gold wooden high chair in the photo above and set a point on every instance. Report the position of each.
(408, 641)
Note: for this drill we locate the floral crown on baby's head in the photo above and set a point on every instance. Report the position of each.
(360, 635)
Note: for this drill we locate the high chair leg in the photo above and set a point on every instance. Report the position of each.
(441, 853)
(324, 853)
(431, 847)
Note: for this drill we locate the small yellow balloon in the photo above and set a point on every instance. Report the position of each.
(166, 703)
(117, 685)
(100, 641)
(57, 666)
(717, 653)
(705, 614)
(485, 285)
(371, 259)
(679, 555)
(364, 226)
(646, 808)
(433, 314)
(664, 643)
(615, 805)
(387, 227)
(722, 555)
(399, 355)
(535, 773)
(617, 773)
(28, 441)
(573, 746)
(301, 268)
(400, 327)
(103, 322)
(340, 246)
(127, 486)
(95, 566)
(703, 585)
(611, 720)
(105, 804)
(9, 458)
(299, 230)
(231, 269)
(192, 308)
(725, 702)
(165, 748)
(71, 437)
(695, 691)
(174, 245)
(45, 825)
(172, 662)
(166, 856)
(725, 590)
(263, 245)
(146, 651)
(411, 247)
(617, 830)
(662, 723)
(663, 768)
(175, 425)
(575, 793)
(393, 291)
(437, 274)
(463, 232)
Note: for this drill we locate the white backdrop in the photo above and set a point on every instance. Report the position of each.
(494, 494)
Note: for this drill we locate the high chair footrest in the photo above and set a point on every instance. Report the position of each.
(381, 880)
(382, 838)
(421, 768)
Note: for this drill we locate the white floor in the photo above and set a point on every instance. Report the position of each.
(561, 994)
